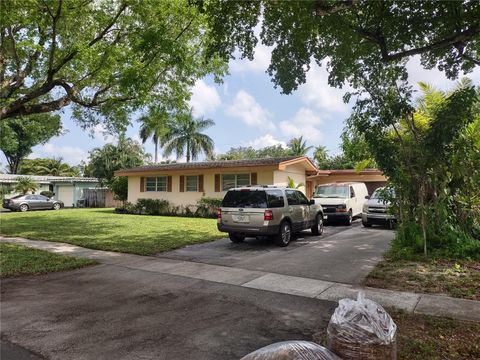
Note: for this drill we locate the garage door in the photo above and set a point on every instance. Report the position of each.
(65, 194)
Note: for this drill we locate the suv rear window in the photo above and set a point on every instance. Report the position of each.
(245, 199)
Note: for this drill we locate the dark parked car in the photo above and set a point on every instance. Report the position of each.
(31, 202)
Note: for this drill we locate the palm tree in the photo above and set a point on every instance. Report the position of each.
(291, 184)
(56, 167)
(154, 125)
(24, 185)
(185, 137)
(298, 146)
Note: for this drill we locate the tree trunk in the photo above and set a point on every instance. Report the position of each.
(188, 152)
(156, 151)
(422, 217)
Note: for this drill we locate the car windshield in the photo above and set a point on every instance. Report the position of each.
(245, 199)
(381, 193)
(332, 191)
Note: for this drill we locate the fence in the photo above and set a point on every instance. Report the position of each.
(98, 198)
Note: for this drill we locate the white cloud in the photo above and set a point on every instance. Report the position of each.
(101, 135)
(266, 140)
(316, 91)
(246, 108)
(304, 123)
(70, 154)
(435, 77)
(205, 98)
(260, 62)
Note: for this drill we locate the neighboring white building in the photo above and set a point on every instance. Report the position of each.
(66, 189)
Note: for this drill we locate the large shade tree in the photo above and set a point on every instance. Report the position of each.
(105, 58)
(185, 137)
(358, 40)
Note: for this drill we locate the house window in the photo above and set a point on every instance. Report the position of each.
(156, 183)
(234, 180)
(191, 183)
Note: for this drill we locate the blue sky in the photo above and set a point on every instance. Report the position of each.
(248, 111)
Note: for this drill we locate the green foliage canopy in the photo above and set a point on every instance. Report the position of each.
(106, 58)
(104, 161)
(358, 40)
(52, 167)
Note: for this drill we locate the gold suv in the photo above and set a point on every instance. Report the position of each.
(268, 211)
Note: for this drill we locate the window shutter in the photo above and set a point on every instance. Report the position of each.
(169, 184)
(182, 183)
(253, 179)
(200, 183)
(142, 184)
(217, 182)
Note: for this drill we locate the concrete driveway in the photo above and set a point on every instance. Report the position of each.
(343, 254)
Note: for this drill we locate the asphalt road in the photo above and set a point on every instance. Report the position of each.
(111, 312)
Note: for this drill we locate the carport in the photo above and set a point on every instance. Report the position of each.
(373, 178)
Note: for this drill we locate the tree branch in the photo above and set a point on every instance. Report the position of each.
(53, 46)
(457, 39)
(38, 108)
(325, 7)
(99, 37)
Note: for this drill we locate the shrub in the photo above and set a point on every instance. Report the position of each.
(5, 190)
(207, 207)
(446, 241)
(153, 206)
(47, 193)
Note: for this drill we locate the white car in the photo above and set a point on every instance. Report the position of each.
(341, 201)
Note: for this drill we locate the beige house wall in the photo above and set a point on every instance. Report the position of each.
(178, 198)
(295, 171)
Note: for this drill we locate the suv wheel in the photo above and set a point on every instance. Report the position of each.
(23, 207)
(284, 234)
(56, 206)
(317, 229)
(236, 238)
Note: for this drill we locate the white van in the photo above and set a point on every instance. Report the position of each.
(341, 201)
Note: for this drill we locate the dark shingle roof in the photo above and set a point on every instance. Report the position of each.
(211, 164)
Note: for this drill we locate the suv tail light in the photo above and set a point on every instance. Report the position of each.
(219, 213)
(268, 215)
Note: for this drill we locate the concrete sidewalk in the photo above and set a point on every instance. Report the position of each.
(435, 305)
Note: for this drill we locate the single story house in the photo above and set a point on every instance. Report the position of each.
(186, 183)
(66, 189)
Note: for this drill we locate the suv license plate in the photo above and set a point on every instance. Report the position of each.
(241, 218)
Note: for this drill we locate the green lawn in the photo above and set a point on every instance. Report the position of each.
(21, 260)
(104, 230)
